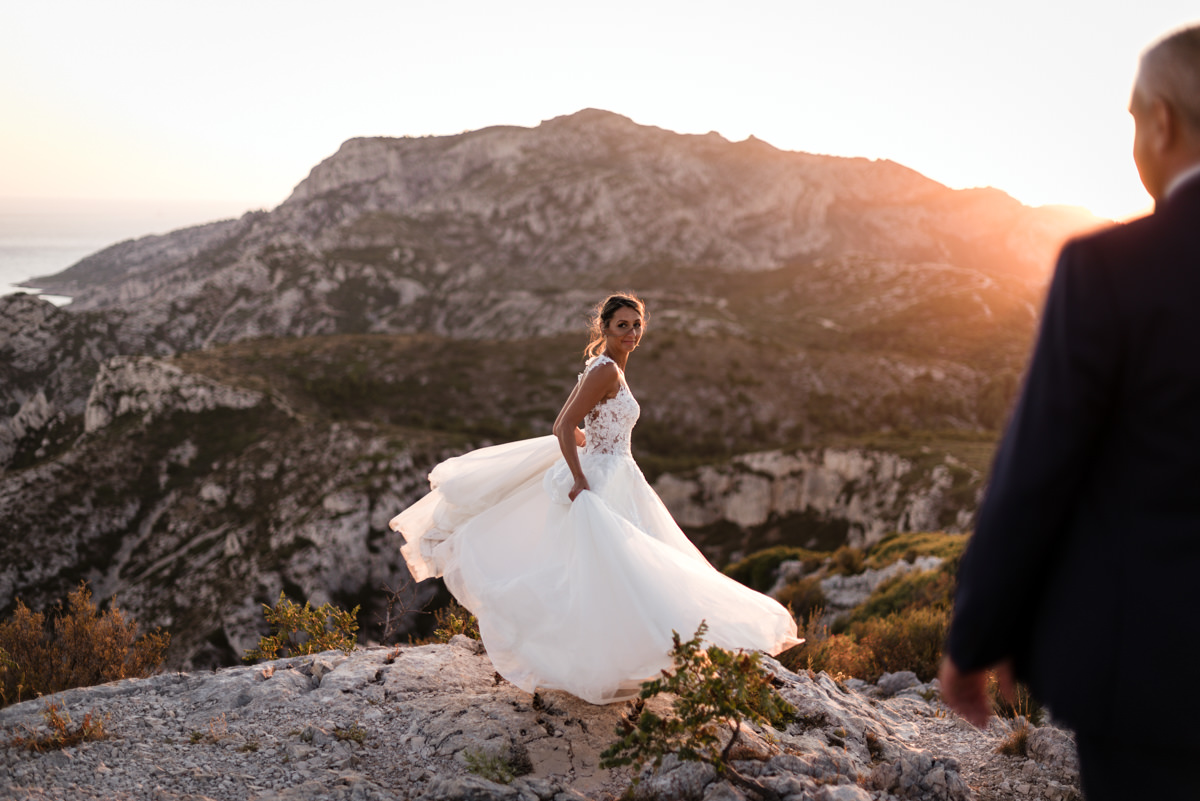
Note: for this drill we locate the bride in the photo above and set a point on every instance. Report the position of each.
(574, 568)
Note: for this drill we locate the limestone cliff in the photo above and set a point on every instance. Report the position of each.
(819, 498)
(144, 386)
(195, 502)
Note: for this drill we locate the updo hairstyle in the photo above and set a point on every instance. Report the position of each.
(603, 313)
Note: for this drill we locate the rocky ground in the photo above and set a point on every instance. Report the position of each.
(429, 722)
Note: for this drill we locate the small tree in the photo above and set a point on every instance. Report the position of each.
(454, 619)
(714, 691)
(304, 630)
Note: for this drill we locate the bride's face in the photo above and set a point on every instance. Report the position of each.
(624, 330)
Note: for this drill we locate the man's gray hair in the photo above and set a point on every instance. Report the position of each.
(1171, 70)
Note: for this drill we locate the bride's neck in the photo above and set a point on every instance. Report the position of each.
(619, 358)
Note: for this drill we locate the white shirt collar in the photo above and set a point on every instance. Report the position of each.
(1182, 178)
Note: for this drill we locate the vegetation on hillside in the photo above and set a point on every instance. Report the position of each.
(479, 390)
(79, 646)
(901, 625)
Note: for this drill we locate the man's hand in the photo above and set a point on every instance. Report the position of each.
(966, 693)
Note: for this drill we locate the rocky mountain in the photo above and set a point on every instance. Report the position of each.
(410, 723)
(236, 409)
(861, 279)
(457, 235)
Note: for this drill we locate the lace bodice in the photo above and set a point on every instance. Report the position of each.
(610, 423)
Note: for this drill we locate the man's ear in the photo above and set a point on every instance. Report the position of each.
(1164, 125)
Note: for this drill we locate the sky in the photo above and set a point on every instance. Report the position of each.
(234, 102)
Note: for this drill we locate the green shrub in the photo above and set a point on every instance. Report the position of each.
(492, 767)
(714, 690)
(909, 546)
(354, 733)
(454, 619)
(304, 630)
(81, 647)
(912, 590)
(448, 621)
(757, 570)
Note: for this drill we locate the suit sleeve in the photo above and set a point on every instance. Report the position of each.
(1041, 465)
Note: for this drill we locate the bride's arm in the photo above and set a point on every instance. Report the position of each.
(598, 384)
(580, 437)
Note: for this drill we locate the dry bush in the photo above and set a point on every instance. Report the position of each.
(82, 647)
(839, 655)
(1023, 704)
(63, 733)
(802, 597)
(1016, 744)
(849, 561)
(907, 640)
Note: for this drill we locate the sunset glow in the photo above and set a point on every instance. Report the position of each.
(232, 101)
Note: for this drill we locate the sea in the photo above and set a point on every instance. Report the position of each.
(40, 236)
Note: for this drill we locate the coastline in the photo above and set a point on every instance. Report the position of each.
(44, 236)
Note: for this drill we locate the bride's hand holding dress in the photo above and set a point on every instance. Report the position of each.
(593, 388)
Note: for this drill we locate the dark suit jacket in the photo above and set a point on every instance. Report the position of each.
(1084, 567)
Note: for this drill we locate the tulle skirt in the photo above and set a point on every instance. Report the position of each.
(581, 596)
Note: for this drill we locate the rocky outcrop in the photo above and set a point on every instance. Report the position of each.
(796, 497)
(194, 503)
(151, 388)
(48, 360)
(843, 593)
(407, 723)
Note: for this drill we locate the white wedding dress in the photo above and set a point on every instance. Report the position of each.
(579, 596)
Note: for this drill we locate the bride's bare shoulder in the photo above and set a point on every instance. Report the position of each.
(601, 374)
(603, 368)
